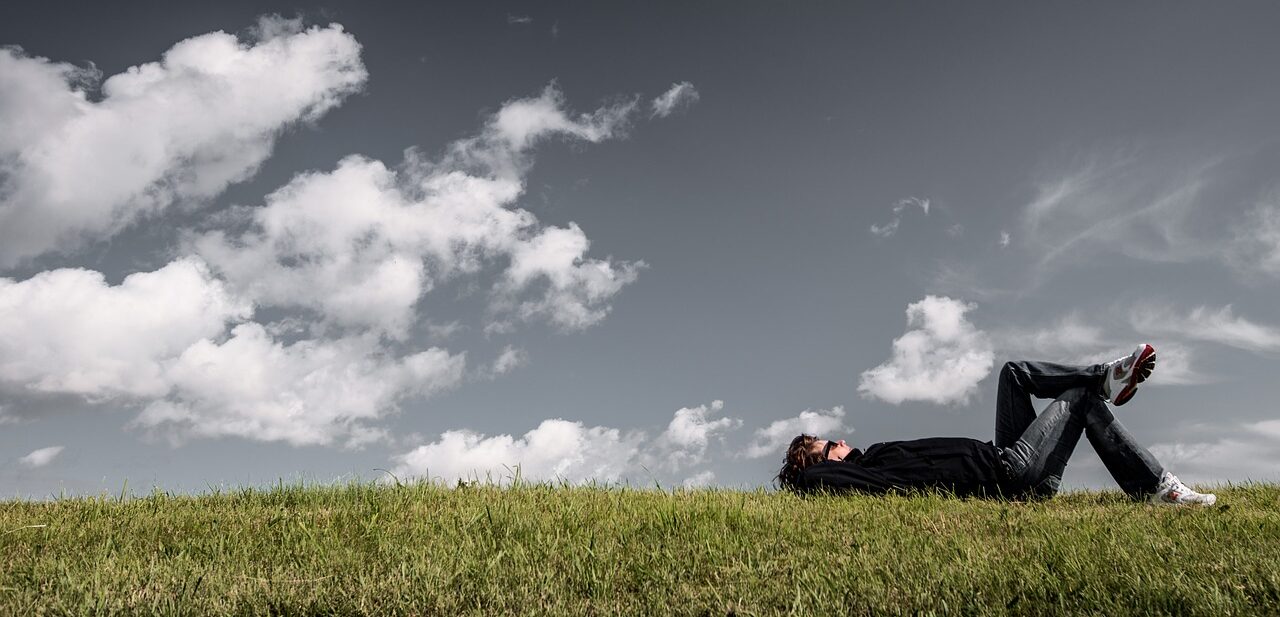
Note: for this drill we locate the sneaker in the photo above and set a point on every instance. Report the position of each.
(1172, 491)
(1124, 374)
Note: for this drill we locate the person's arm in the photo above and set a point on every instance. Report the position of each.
(839, 476)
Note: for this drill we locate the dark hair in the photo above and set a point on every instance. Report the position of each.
(800, 455)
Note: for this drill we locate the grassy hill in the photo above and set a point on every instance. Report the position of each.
(484, 550)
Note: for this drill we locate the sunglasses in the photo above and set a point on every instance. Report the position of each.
(826, 450)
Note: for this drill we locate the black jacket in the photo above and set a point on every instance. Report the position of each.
(962, 466)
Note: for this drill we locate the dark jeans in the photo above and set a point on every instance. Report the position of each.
(1036, 448)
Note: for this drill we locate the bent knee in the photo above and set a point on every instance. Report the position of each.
(1075, 395)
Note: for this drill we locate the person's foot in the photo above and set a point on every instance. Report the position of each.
(1124, 374)
(1172, 491)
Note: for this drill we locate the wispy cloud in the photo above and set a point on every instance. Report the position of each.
(510, 359)
(1141, 206)
(1255, 247)
(1217, 325)
(890, 228)
(1250, 451)
(41, 457)
(940, 359)
(519, 19)
(680, 96)
(1076, 338)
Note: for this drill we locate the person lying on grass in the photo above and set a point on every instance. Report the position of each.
(1030, 451)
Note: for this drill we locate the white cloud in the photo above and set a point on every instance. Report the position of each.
(698, 480)
(1255, 246)
(339, 259)
(685, 440)
(362, 267)
(890, 228)
(562, 450)
(577, 289)
(555, 450)
(178, 130)
(940, 361)
(1143, 207)
(1248, 452)
(69, 331)
(680, 96)
(307, 393)
(41, 457)
(519, 19)
(772, 440)
(1004, 239)
(1203, 323)
(347, 255)
(510, 359)
(1074, 339)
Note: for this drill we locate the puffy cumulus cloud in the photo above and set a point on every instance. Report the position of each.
(68, 331)
(307, 393)
(180, 129)
(940, 359)
(41, 457)
(890, 228)
(772, 440)
(339, 259)
(1217, 325)
(562, 450)
(361, 244)
(684, 442)
(557, 450)
(576, 289)
(699, 480)
(153, 341)
(679, 96)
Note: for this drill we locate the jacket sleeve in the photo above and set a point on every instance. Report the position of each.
(840, 476)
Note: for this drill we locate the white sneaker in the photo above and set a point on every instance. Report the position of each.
(1172, 491)
(1124, 374)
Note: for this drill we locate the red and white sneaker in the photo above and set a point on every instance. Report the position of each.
(1124, 374)
(1173, 492)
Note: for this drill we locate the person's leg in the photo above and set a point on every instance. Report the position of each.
(1038, 457)
(1019, 381)
(1134, 468)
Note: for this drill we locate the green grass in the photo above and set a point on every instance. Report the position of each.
(423, 549)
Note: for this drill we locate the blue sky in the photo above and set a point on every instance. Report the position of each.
(623, 243)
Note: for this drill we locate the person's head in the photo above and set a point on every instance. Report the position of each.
(807, 450)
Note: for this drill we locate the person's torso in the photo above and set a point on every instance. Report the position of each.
(964, 466)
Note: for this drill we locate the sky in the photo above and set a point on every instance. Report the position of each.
(623, 243)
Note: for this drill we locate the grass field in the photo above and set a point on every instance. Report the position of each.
(423, 549)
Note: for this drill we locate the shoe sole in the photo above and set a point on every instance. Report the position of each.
(1136, 375)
